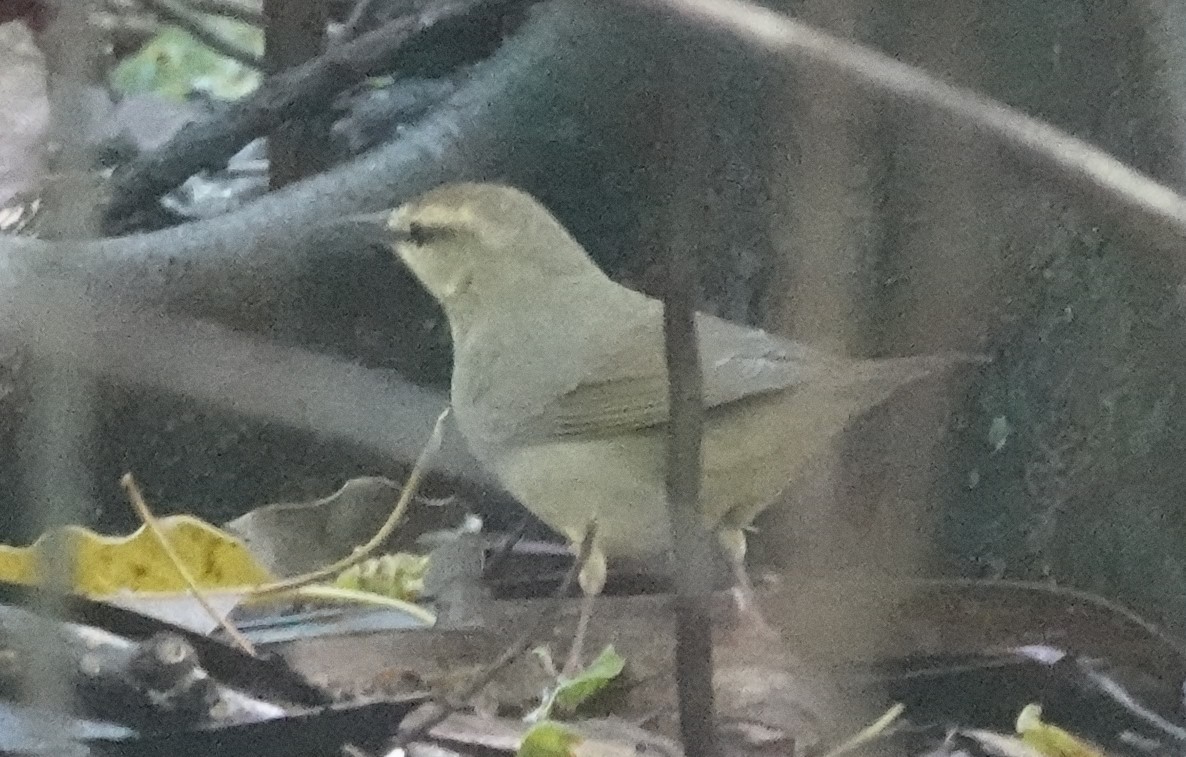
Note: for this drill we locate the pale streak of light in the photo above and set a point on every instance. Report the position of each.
(59, 423)
(327, 396)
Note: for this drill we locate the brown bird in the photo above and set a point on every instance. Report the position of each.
(560, 381)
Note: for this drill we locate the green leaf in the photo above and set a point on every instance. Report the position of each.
(174, 64)
(570, 693)
(548, 739)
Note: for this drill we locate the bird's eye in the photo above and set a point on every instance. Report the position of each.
(421, 234)
(417, 233)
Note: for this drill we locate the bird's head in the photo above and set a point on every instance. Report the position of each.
(480, 243)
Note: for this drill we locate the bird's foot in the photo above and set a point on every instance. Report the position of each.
(748, 617)
(573, 664)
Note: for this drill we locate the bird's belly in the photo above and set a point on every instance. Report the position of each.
(750, 453)
(620, 481)
(566, 484)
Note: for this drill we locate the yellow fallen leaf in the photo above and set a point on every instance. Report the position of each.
(108, 564)
(1051, 740)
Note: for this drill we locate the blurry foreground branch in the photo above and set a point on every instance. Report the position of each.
(680, 143)
(372, 409)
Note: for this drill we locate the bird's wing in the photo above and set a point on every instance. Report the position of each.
(623, 382)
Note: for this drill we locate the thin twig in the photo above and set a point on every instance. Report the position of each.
(197, 28)
(236, 9)
(154, 527)
(516, 649)
(869, 733)
(357, 597)
(505, 547)
(1065, 592)
(121, 28)
(362, 553)
(355, 20)
(680, 142)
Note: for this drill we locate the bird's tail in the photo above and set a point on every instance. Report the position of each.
(877, 380)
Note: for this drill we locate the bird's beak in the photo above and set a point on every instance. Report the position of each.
(370, 228)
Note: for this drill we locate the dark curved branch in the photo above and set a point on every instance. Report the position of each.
(240, 11)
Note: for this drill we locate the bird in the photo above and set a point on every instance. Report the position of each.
(559, 382)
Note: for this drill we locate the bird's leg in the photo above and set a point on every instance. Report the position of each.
(592, 581)
(732, 541)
